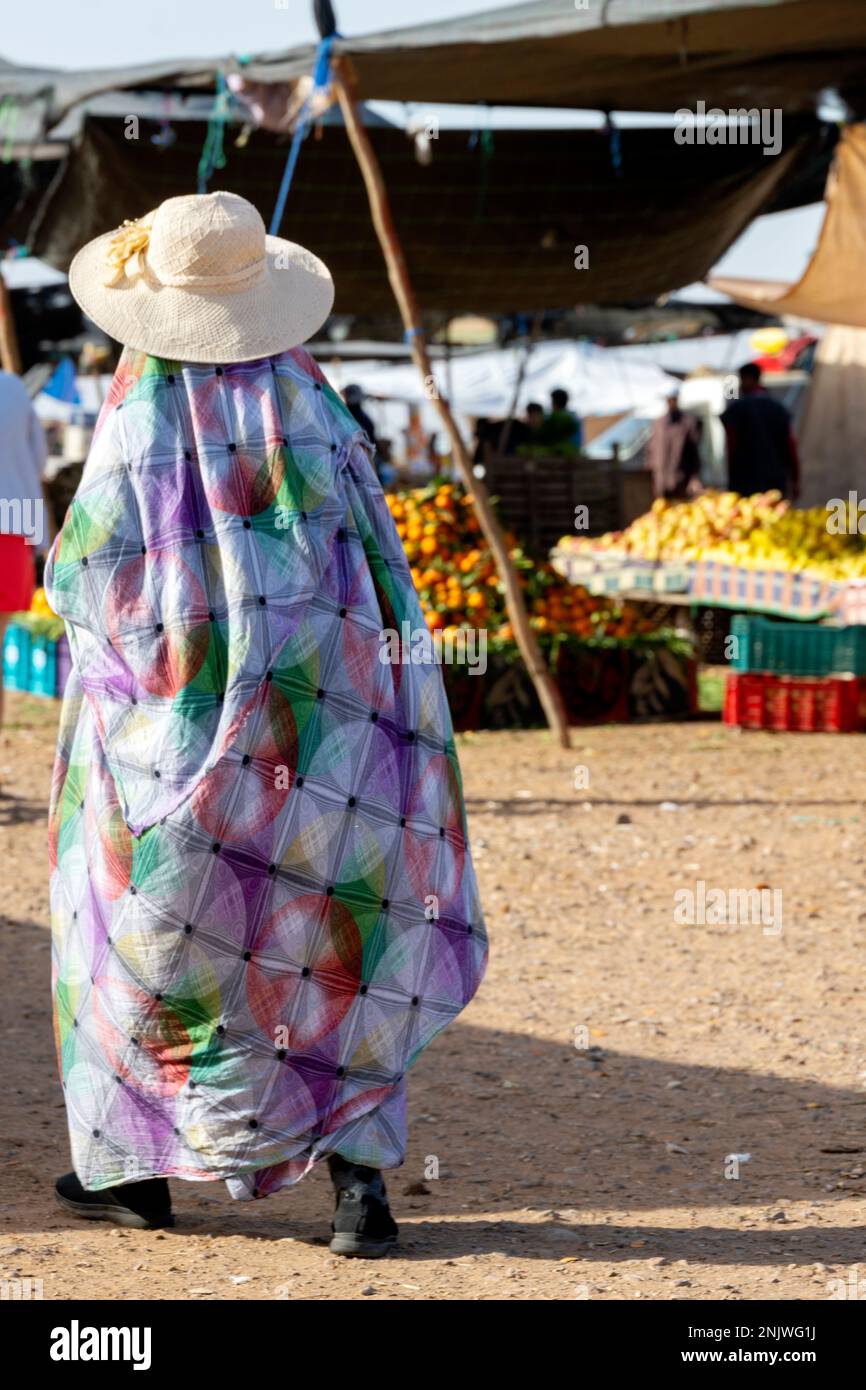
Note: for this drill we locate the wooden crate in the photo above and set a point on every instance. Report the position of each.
(536, 498)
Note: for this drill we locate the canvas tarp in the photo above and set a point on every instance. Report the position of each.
(832, 288)
(633, 55)
(832, 427)
(514, 210)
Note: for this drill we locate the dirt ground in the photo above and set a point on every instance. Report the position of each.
(595, 1171)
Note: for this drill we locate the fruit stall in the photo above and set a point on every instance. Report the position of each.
(611, 659)
(767, 561)
(618, 617)
(756, 553)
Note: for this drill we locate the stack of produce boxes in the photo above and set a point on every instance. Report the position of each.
(796, 676)
(35, 651)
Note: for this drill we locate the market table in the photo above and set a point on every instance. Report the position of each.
(715, 584)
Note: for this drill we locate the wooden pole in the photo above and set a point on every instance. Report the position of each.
(10, 356)
(505, 434)
(551, 701)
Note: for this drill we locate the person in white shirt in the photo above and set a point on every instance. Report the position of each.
(25, 518)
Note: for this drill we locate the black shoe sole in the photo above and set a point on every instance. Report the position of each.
(120, 1216)
(360, 1247)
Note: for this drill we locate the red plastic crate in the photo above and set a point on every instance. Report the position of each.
(831, 704)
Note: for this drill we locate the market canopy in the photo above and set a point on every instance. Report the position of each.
(516, 207)
(646, 214)
(832, 287)
(649, 55)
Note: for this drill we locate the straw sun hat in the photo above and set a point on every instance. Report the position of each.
(197, 280)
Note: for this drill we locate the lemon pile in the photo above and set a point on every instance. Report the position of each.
(798, 541)
(758, 532)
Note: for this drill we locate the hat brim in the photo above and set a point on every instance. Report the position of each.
(285, 308)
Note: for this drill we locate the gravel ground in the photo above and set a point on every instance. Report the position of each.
(582, 1110)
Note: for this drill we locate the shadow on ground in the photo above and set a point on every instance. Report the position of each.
(583, 1135)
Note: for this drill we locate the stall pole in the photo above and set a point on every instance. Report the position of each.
(346, 92)
(10, 355)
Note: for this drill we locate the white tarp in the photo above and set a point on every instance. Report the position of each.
(600, 381)
(721, 352)
(29, 273)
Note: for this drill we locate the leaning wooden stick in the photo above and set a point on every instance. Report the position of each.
(10, 356)
(546, 688)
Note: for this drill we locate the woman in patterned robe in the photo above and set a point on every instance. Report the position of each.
(263, 903)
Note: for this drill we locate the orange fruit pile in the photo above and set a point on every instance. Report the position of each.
(457, 583)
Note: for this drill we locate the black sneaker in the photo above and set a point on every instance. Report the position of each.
(363, 1225)
(143, 1206)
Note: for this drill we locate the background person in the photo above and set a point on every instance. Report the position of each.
(561, 425)
(761, 448)
(354, 398)
(673, 452)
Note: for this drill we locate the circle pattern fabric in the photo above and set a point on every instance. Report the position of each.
(251, 814)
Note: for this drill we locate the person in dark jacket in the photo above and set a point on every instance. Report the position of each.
(354, 397)
(762, 450)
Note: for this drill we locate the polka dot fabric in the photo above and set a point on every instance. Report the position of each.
(263, 903)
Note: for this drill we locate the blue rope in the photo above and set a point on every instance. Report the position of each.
(320, 80)
(213, 154)
(615, 145)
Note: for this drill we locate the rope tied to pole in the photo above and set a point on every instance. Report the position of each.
(213, 153)
(321, 80)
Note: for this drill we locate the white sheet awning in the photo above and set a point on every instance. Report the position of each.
(600, 381)
(29, 273)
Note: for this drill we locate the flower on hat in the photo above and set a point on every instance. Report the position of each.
(125, 248)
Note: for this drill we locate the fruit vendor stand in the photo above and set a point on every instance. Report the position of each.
(749, 554)
(611, 660)
(617, 617)
(763, 559)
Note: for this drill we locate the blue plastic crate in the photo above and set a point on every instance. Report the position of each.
(16, 657)
(35, 663)
(43, 666)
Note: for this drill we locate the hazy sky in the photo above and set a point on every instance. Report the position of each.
(99, 33)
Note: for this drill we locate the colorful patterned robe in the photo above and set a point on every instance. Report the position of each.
(263, 903)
